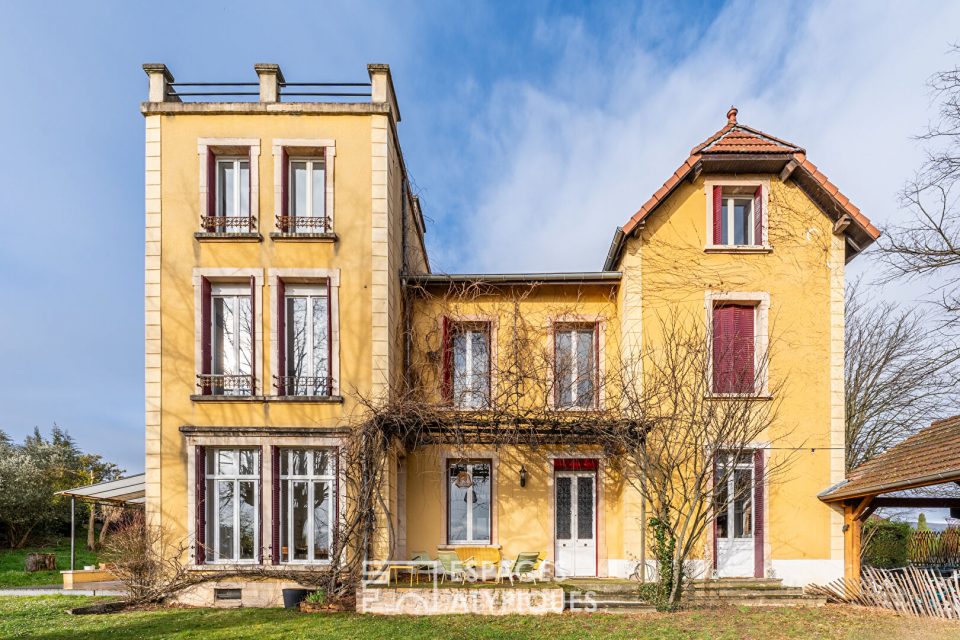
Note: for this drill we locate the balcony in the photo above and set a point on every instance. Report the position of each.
(304, 227)
(289, 387)
(226, 385)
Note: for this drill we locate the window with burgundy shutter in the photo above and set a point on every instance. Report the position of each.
(303, 199)
(737, 215)
(734, 342)
(227, 338)
(306, 340)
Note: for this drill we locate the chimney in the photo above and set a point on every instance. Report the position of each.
(270, 80)
(732, 116)
(381, 91)
(160, 80)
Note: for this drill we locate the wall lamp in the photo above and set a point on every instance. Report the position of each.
(523, 476)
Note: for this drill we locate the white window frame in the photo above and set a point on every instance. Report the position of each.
(729, 203)
(764, 184)
(575, 328)
(236, 478)
(310, 478)
(230, 290)
(203, 157)
(310, 291)
(470, 539)
(734, 464)
(470, 328)
(298, 147)
(237, 186)
(760, 300)
(310, 162)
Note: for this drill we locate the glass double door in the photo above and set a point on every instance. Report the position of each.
(576, 523)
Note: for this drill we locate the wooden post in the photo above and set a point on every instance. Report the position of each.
(73, 533)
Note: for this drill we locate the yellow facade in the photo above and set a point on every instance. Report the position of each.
(665, 268)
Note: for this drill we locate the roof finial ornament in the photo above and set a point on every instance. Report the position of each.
(732, 115)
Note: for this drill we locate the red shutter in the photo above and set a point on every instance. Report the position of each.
(446, 373)
(200, 480)
(206, 319)
(758, 514)
(743, 349)
(260, 504)
(722, 347)
(253, 167)
(281, 321)
(718, 215)
(211, 188)
(253, 335)
(329, 381)
(327, 175)
(758, 216)
(284, 189)
(275, 504)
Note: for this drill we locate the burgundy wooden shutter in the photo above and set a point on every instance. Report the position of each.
(275, 504)
(253, 335)
(758, 216)
(329, 380)
(722, 356)
(446, 373)
(758, 514)
(200, 480)
(718, 215)
(743, 349)
(253, 167)
(281, 321)
(206, 347)
(260, 503)
(284, 190)
(211, 189)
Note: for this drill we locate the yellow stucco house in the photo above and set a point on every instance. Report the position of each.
(288, 291)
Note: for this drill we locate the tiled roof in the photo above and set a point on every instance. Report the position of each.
(734, 139)
(931, 456)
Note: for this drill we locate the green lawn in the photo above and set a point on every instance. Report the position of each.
(44, 618)
(13, 575)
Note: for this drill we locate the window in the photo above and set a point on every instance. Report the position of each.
(232, 504)
(229, 364)
(734, 343)
(232, 196)
(468, 502)
(308, 498)
(469, 346)
(305, 347)
(306, 192)
(575, 366)
(737, 215)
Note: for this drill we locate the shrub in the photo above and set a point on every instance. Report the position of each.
(317, 597)
(885, 543)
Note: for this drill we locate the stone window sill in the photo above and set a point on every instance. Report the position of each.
(208, 236)
(278, 236)
(738, 396)
(737, 249)
(307, 399)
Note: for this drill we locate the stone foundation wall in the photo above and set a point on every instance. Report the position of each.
(253, 593)
(441, 601)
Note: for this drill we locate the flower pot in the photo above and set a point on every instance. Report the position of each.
(293, 597)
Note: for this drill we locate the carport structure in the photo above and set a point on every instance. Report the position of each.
(121, 492)
(929, 457)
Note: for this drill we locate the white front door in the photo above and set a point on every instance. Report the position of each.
(734, 525)
(576, 523)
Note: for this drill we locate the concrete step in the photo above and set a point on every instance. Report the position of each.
(737, 583)
(791, 599)
(782, 592)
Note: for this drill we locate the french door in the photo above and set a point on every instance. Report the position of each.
(738, 535)
(576, 523)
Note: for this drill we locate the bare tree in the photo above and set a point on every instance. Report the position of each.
(928, 245)
(899, 375)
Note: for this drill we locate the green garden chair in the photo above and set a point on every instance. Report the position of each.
(451, 566)
(422, 562)
(524, 566)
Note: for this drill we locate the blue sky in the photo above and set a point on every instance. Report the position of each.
(526, 126)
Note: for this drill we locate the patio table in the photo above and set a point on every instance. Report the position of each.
(395, 570)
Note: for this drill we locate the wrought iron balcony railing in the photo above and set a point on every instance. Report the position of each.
(226, 384)
(304, 224)
(311, 386)
(229, 224)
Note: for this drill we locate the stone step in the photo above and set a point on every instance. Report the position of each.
(763, 600)
(736, 593)
(738, 583)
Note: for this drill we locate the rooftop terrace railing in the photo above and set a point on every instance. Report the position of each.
(322, 91)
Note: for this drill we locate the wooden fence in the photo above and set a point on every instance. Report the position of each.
(910, 591)
(934, 548)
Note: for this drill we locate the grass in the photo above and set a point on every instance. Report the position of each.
(13, 575)
(44, 618)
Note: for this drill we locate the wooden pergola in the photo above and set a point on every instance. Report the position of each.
(929, 457)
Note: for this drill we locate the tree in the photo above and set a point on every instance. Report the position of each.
(922, 522)
(928, 245)
(899, 375)
(94, 469)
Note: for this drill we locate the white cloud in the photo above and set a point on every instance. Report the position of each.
(570, 158)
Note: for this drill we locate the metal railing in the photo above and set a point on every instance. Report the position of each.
(212, 384)
(228, 224)
(310, 386)
(324, 91)
(304, 224)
